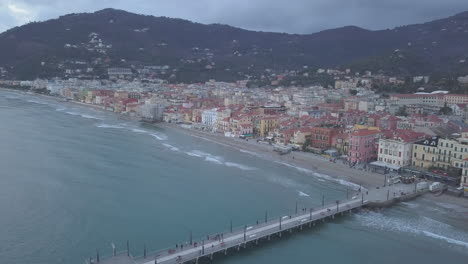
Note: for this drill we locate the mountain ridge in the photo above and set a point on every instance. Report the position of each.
(33, 50)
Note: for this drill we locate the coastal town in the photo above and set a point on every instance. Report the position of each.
(402, 136)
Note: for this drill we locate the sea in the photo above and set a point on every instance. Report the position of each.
(74, 180)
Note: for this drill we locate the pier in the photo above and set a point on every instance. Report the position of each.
(237, 239)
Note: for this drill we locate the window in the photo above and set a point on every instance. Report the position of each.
(399, 154)
(415, 155)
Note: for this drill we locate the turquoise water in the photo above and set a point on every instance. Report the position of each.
(75, 179)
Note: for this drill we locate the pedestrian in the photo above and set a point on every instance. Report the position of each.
(176, 246)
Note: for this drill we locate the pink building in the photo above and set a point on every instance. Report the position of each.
(363, 145)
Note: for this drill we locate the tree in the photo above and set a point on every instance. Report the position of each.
(306, 144)
(402, 111)
(445, 110)
(353, 92)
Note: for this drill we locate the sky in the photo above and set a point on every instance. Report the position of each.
(291, 16)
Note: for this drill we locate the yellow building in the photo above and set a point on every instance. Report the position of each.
(359, 127)
(440, 153)
(267, 124)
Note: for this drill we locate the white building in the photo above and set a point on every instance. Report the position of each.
(395, 152)
(210, 117)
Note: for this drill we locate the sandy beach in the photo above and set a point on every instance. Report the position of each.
(337, 172)
(307, 162)
(297, 159)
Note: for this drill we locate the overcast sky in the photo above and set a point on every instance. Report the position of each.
(292, 16)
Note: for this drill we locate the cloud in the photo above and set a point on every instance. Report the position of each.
(18, 10)
(293, 16)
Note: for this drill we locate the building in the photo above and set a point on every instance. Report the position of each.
(119, 73)
(267, 124)
(397, 150)
(209, 117)
(464, 178)
(446, 154)
(420, 99)
(321, 137)
(456, 99)
(363, 145)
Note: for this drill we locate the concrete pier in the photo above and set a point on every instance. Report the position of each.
(260, 232)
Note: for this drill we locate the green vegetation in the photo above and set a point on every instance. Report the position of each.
(402, 111)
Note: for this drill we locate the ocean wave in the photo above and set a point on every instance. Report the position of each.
(237, 165)
(217, 160)
(410, 205)
(159, 136)
(323, 176)
(171, 147)
(37, 102)
(214, 160)
(303, 194)
(193, 154)
(136, 130)
(420, 226)
(83, 115)
(249, 152)
(446, 239)
(109, 126)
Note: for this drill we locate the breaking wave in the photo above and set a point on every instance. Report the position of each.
(217, 160)
(237, 165)
(322, 177)
(83, 115)
(171, 147)
(109, 126)
(425, 226)
(159, 136)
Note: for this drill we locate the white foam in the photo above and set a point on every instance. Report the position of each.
(159, 136)
(171, 147)
(214, 160)
(83, 115)
(237, 165)
(421, 226)
(446, 239)
(410, 205)
(249, 152)
(136, 130)
(193, 154)
(303, 194)
(109, 126)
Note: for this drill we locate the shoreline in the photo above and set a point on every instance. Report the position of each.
(309, 163)
(302, 161)
(312, 164)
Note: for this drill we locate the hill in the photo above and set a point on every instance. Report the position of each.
(92, 42)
